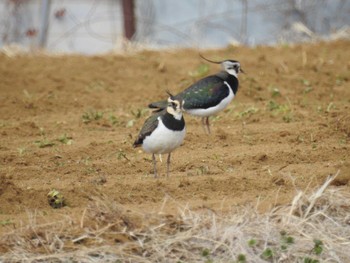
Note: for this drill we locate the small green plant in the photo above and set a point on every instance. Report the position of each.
(248, 112)
(65, 139)
(130, 123)
(5, 222)
(139, 113)
(287, 118)
(340, 80)
(21, 150)
(91, 115)
(318, 247)
(97, 85)
(275, 92)
(330, 107)
(310, 260)
(252, 242)
(305, 82)
(276, 109)
(44, 143)
(200, 71)
(286, 240)
(273, 105)
(113, 119)
(241, 258)
(86, 160)
(267, 254)
(205, 252)
(56, 199)
(202, 170)
(307, 90)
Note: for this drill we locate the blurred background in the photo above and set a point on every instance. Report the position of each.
(99, 26)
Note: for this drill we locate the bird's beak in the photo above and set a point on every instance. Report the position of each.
(241, 70)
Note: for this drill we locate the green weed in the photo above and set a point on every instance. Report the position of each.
(305, 82)
(286, 240)
(330, 107)
(252, 242)
(98, 85)
(5, 222)
(267, 254)
(273, 105)
(44, 143)
(113, 119)
(248, 112)
(202, 170)
(205, 252)
(275, 92)
(130, 123)
(241, 258)
(340, 80)
(65, 139)
(56, 199)
(318, 247)
(200, 71)
(91, 115)
(277, 108)
(287, 117)
(310, 260)
(139, 113)
(21, 151)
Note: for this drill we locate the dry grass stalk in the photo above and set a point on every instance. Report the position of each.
(108, 232)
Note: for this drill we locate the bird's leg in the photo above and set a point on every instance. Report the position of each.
(207, 124)
(168, 165)
(154, 165)
(204, 125)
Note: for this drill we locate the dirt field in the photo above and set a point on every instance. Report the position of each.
(68, 123)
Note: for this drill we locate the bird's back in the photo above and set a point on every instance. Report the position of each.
(148, 127)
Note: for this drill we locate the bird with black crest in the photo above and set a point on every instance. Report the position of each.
(208, 95)
(163, 132)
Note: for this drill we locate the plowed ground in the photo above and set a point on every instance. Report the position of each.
(68, 123)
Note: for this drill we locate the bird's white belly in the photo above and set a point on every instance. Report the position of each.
(215, 109)
(162, 140)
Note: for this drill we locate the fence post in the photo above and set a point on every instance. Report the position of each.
(45, 18)
(129, 18)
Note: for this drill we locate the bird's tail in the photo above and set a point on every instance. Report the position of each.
(137, 143)
(158, 105)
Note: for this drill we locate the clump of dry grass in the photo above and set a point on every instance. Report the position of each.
(314, 227)
(343, 124)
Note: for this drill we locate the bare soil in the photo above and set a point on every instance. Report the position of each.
(68, 123)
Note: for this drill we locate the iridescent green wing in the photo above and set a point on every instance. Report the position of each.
(205, 93)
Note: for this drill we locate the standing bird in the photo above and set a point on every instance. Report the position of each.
(209, 95)
(163, 132)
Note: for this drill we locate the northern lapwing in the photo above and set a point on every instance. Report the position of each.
(163, 132)
(209, 95)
